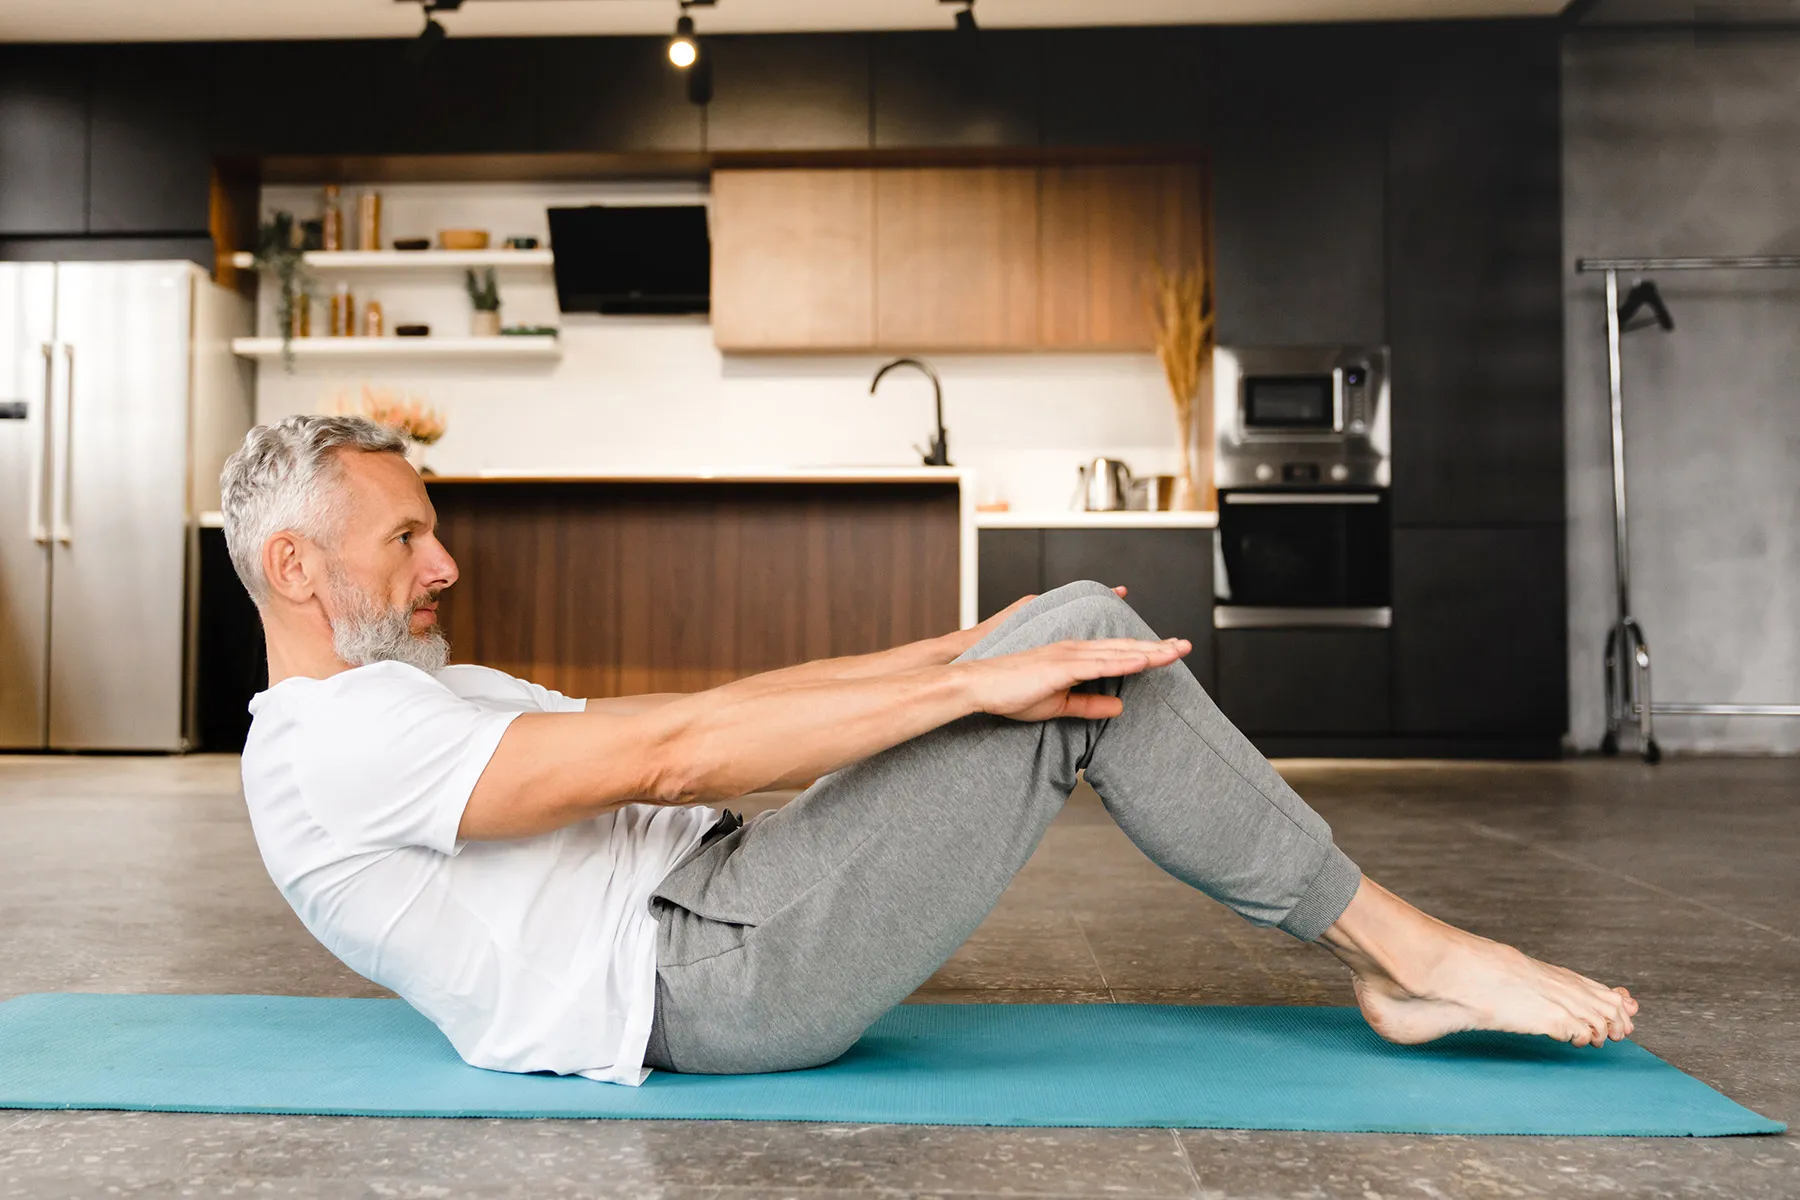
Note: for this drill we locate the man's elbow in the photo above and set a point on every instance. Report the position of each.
(677, 772)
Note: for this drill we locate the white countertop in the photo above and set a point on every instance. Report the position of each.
(1127, 519)
(983, 520)
(919, 474)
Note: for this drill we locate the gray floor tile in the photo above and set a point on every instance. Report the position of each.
(140, 874)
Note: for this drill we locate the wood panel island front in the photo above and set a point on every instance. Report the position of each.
(617, 584)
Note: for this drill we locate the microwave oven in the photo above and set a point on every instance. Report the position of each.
(1301, 416)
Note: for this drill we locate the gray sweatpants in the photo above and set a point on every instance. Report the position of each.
(781, 942)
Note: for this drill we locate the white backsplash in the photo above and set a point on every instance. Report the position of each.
(653, 392)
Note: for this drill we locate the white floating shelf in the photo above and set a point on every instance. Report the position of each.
(503, 346)
(412, 260)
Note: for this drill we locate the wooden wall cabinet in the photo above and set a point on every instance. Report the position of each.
(948, 258)
(1103, 229)
(793, 259)
(956, 265)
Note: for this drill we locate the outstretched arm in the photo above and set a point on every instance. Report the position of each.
(928, 652)
(554, 769)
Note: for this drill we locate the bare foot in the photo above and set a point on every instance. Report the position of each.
(1417, 979)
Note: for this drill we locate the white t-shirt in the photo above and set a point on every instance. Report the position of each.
(530, 955)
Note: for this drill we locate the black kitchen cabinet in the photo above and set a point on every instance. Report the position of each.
(943, 89)
(1299, 153)
(1480, 632)
(1125, 87)
(789, 92)
(149, 161)
(1167, 572)
(231, 661)
(1011, 565)
(1296, 682)
(43, 140)
(314, 97)
(615, 96)
(1474, 236)
(378, 96)
(467, 96)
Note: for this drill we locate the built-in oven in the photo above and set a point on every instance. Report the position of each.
(1302, 464)
(1302, 559)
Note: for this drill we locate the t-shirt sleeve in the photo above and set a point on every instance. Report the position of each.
(392, 758)
(497, 689)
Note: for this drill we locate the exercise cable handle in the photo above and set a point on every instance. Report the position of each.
(1628, 686)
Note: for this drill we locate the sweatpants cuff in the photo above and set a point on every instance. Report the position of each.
(1325, 899)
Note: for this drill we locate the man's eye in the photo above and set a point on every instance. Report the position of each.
(406, 539)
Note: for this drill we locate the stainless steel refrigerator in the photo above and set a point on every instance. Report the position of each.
(119, 400)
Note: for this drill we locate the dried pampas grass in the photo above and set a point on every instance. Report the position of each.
(1182, 310)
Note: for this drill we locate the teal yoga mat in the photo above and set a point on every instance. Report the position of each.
(926, 1064)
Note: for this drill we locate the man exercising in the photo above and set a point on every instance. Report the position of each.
(536, 874)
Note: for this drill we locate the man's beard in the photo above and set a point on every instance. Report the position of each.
(365, 631)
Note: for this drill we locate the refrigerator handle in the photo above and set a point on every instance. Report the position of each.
(61, 531)
(40, 458)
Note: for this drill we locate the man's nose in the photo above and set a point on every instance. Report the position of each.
(443, 570)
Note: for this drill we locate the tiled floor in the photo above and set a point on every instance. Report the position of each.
(1682, 881)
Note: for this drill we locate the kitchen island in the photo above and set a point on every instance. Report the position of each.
(615, 583)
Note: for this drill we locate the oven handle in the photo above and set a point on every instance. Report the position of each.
(1248, 616)
(1302, 498)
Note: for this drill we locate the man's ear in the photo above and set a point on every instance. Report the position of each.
(285, 567)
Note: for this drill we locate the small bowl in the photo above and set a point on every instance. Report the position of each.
(412, 331)
(412, 243)
(463, 239)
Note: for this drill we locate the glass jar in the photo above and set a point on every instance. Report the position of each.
(368, 221)
(343, 312)
(331, 233)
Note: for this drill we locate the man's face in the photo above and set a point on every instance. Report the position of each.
(387, 566)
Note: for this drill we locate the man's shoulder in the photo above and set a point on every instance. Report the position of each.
(302, 692)
(487, 686)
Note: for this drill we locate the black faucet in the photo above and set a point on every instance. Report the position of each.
(939, 454)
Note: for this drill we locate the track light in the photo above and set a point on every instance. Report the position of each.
(682, 49)
(433, 33)
(965, 20)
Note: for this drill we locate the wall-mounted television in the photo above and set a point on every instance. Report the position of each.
(632, 258)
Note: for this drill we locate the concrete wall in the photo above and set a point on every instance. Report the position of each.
(1683, 144)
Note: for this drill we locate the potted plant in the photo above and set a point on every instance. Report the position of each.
(278, 254)
(484, 294)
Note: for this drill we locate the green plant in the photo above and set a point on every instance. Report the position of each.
(278, 254)
(484, 291)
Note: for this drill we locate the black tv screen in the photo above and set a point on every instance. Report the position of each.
(654, 258)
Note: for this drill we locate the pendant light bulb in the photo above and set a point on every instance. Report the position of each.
(682, 51)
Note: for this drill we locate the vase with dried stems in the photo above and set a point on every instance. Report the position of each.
(419, 423)
(1182, 308)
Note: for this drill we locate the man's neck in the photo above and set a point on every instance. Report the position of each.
(300, 648)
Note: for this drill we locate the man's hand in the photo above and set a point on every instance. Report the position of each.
(962, 639)
(1033, 685)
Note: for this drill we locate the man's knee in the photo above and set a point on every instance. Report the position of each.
(1096, 611)
(1078, 589)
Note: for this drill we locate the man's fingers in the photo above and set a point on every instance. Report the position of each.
(1128, 644)
(1092, 706)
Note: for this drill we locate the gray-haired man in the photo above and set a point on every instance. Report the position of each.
(537, 876)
